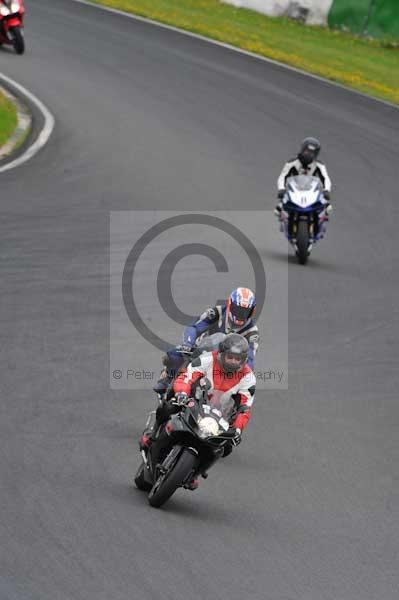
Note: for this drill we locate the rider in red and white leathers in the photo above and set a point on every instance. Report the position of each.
(230, 385)
(232, 392)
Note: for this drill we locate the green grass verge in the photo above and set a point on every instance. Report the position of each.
(368, 66)
(8, 118)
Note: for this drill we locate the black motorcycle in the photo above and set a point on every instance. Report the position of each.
(186, 446)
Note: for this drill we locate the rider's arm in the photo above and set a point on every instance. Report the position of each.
(246, 395)
(252, 337)
(283, 175)
(251, 356)
(253, 341)
(195, 370)
(324, 176)
(199, 327)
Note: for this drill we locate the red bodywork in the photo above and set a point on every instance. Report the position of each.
(13, 20)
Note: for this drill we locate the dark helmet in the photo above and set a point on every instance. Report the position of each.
(233, 352)
(310, 148)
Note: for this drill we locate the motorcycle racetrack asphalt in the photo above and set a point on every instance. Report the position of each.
(308, 507)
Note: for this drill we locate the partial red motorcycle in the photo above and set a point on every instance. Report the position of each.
(11, 24)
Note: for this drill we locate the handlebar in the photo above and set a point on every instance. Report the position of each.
(228, 434)
(183, 351)
(184, 402)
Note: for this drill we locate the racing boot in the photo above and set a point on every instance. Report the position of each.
(149, 433)
(278, 209)
(146, 439)
(192, 485)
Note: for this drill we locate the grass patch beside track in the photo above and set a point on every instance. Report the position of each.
(368, 66)
(8, 118)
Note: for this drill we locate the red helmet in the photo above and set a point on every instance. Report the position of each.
(240, 307)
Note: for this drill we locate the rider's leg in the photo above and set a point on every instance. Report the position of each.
(172, 362)
(162, 414)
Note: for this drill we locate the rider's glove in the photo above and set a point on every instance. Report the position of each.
(184, 349)
(326, 195)
(236, 438)
(280, 194)
(181, 397)
(227, 449)
(233, 441)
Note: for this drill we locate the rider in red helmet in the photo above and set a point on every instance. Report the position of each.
(236, 315)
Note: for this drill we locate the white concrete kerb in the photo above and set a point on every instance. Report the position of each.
(45, 133)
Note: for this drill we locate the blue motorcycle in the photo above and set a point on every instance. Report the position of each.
(303, 216)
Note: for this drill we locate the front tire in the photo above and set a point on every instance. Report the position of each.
(302, 242)
(166, 485)
(18, 40)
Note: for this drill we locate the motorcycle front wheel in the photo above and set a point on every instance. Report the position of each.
(17, 39)
(302, 242)
(167, 483)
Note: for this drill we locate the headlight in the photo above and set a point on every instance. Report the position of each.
(4, 11)
(207, 427)
(224, 424)
(15, 6)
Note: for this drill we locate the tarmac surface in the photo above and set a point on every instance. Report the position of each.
(308, 507)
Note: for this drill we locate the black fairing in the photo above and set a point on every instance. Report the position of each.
(182, 430)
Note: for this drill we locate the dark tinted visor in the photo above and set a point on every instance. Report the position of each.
(240, 313)
(309, 152)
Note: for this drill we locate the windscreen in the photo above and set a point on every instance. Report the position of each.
(209, 343)
(218, 405)
(303, 183)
